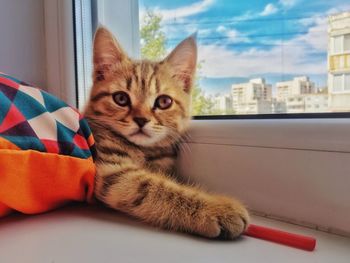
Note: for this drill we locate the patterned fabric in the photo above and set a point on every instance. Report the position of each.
(46, 150)
(33, 119)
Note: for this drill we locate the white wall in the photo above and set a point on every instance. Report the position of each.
(22, 44)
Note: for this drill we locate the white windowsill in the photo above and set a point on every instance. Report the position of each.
(298, 134)
(92, 234)
(294, 169)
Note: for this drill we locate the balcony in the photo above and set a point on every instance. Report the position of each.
(340, 62)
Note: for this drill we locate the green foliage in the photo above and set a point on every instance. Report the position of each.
(213, 111)
(153, 47)
(153, 40)
(200, 104)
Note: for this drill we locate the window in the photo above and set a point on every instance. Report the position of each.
(341, 82)
(340, 44)
(347, 82)
(337, 82)
(337, 44)
(347, 43)
(275, 46)
(247, 53)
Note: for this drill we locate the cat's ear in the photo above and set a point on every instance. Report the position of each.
(108, 55)
(183, 60)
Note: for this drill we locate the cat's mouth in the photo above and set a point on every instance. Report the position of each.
(143, 137)
(140, 132)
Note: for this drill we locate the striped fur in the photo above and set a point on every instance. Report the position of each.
(134, 173)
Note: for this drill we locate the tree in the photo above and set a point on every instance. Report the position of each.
(152, 38)
(153, 47)
(200, 104)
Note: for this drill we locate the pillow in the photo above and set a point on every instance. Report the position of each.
(46, 150)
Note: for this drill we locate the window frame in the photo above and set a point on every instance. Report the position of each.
(346, 50)
(300, 116)
(342, 44)
(60, 50)
(333, 41)
(88, 15)
(342, 87)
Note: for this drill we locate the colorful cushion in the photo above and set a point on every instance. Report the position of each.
(46, 150)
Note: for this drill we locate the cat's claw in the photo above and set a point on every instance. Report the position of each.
(228, 219)
(232, 230)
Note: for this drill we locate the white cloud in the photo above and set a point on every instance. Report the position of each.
(232, 35)
(221, 29)
(205, 32)
(177, 33)
(295, 60)
(245, 16)
(269, 10)
(287, 3)
(230, 63)
(184, 11)
(317, 36)
(298, 53)
(339, 9)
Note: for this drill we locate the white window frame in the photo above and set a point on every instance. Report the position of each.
(341, 37)
(59, 36)
(342, 88)
(297, 170)
(89, 14)
(342, 44)
(83, 49)
(348, 75)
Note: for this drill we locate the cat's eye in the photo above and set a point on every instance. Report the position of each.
(163, 102)
(121, 98)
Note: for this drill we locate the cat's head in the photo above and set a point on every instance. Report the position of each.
(147, 102)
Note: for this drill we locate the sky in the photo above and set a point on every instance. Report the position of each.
(239, 40)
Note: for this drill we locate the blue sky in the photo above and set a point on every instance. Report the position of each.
(238, 40)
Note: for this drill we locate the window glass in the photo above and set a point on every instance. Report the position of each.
(337, 44)
(338, 82)
(347, 42)
(255, 56)
(347, 82)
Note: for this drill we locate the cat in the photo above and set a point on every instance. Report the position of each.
(138, 111)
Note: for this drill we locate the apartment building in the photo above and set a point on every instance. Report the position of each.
(223, 103)
(295, 87)
(317, 102)
(339, 61)
(253, 97)
(291, 94)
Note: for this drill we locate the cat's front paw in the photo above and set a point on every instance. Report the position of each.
(226, 218)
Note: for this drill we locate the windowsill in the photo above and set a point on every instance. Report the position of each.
(295, 169)
(300, 134)
(92, 234)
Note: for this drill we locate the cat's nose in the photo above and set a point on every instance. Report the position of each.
(140, 121)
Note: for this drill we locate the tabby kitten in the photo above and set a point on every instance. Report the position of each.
(138, 111)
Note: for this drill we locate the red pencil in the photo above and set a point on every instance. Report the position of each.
(282, 237)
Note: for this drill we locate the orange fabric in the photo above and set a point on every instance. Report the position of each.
(34, 182)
